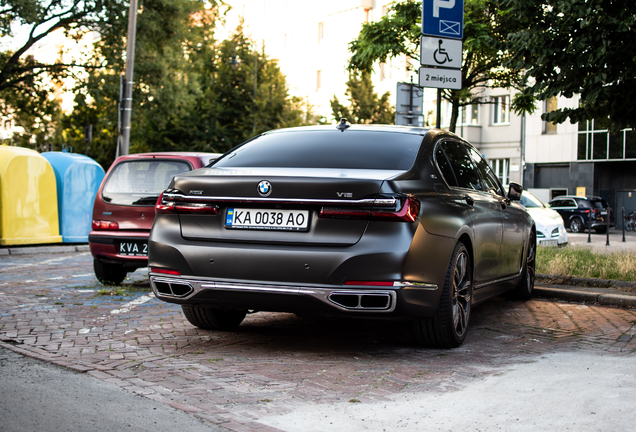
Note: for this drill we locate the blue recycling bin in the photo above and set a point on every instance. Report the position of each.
(78, 178)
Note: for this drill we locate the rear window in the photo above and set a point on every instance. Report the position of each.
(141, 182)
(599, 204)
(327, 149)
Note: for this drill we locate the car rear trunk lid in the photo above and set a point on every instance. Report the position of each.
(292, 192)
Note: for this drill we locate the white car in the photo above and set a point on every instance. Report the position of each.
(550, 227)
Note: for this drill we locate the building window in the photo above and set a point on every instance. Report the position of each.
(500, 110)
(549, 105)
(469, 115)
(321, 31)
(597, 142)
(501, 167)
(318, 80)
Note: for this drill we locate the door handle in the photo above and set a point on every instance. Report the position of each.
(468, 200)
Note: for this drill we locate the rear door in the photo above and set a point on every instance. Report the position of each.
(513, 219)
(484, 208)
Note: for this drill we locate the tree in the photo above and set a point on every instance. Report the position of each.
(25, 82)
(569, 47)
(485, 29)
(186, 94)
(366, 106)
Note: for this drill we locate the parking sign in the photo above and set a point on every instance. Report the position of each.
(443, 18)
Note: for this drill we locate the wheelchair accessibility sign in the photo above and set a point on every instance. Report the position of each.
(436, 51)
(443, 18)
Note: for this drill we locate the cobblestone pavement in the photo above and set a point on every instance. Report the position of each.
(51, 308)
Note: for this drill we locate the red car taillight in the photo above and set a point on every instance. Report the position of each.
(408, 208)
(165, 271)
(104, 225)
(165, 206)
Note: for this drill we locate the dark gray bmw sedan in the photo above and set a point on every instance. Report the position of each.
(368, 221)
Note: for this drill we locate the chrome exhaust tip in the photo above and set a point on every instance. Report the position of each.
(173, 289)
(352, 300)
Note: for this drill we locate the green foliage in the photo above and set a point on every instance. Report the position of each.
(569, 47)
(366, 107)
(186, 96)
(485, 29)
(582, 262)
(26, 84)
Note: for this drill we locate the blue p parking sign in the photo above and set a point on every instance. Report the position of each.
(443, 18)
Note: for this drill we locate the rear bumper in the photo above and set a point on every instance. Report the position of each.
(104, 245)
(399, 300)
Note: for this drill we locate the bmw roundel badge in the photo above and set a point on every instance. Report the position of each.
(264, 188)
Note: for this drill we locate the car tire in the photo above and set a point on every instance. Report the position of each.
(576, 225)
(213, 319)
(525, 287)
(449, 326)
(109, 274)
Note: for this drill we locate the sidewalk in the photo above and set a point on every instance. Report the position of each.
(598, 242)
(44, 249)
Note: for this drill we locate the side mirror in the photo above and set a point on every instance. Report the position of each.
(514, 191)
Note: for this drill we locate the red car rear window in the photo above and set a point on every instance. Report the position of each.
(140, 182)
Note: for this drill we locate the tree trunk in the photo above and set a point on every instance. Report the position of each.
(454, 115)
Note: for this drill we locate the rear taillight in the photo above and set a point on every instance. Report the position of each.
(165, 206)
(164, 271)
(104, 225)
(405, 209)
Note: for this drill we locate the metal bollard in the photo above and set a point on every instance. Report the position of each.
(589, 228)
(607, 220)
(623, 212)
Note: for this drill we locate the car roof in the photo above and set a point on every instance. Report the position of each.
(356, 127)
(167, 154)
(576, 197)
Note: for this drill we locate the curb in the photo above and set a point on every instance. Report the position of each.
(44, 249)
(583, 282)
(581, 295)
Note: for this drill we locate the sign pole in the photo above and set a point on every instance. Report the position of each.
(438, 124)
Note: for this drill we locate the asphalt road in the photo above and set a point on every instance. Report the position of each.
(535, 365)
(37, 396)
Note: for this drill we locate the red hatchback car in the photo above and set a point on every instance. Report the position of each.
(124, 209)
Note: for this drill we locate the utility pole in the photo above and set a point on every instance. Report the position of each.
(126, 105)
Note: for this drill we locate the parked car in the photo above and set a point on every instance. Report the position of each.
(577, 212)
(123, 210)
(366, 221)
(550, 228)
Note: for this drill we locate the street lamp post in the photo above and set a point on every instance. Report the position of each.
(126, 105)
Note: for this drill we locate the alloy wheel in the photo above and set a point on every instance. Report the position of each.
(461, 294)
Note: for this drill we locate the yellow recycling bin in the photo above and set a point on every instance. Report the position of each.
(28, 198)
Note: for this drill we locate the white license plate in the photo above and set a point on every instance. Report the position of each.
(262, 219)
(548, 243)
(133, 248)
